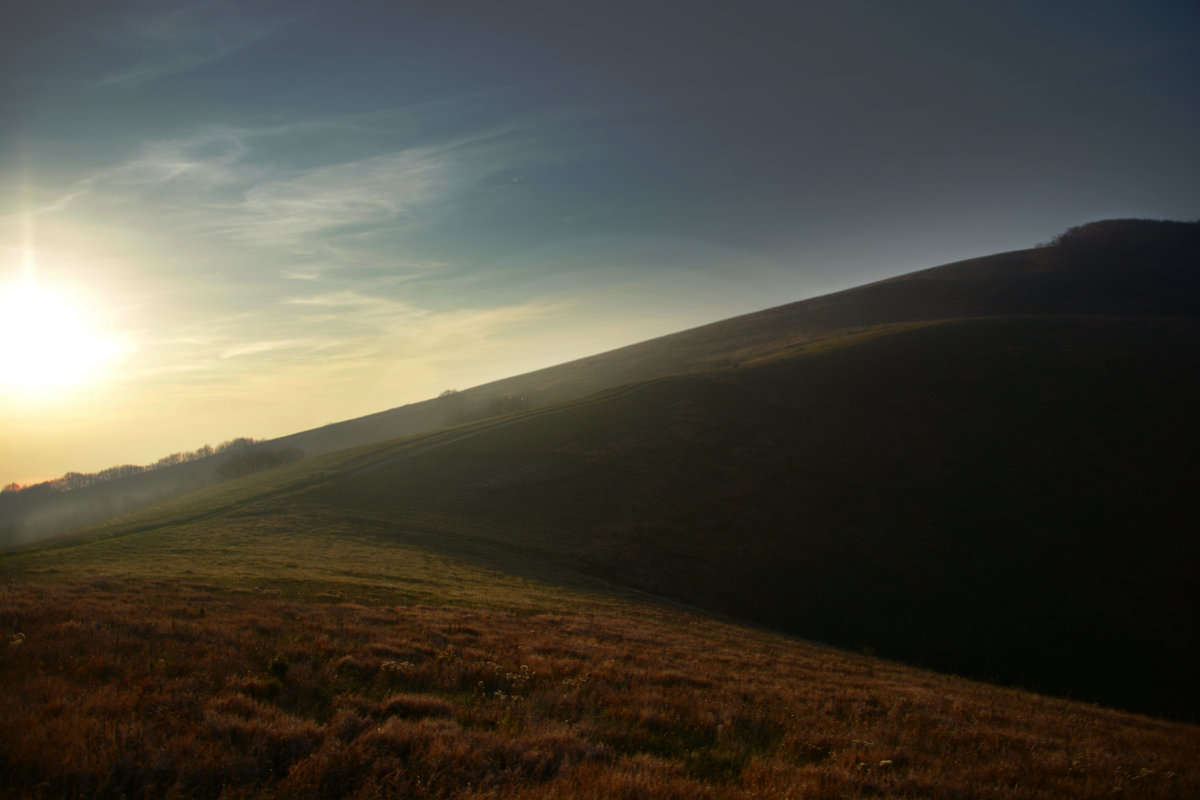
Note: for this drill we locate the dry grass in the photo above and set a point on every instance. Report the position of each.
(1021, 483)
(171, 689)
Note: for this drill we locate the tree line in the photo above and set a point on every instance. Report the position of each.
(73, 481)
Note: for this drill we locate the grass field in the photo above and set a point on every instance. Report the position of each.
(622, 594)
(1005, 498)
(266, 660)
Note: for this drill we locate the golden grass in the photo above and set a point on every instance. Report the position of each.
(173, 689)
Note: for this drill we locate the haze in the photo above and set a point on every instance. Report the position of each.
(269, 216)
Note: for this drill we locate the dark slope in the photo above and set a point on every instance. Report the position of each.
(1136, 267)
(1003, 492)
(1007, 498)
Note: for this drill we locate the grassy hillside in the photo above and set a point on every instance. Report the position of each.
(1003, 498)
(1006, 498)
(983, 468)
(255, 655)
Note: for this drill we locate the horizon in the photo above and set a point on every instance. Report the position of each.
(252, 219)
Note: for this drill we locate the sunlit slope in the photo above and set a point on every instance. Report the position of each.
(1002, 497)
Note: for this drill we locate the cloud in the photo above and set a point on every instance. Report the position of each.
(288, 252)
(198, 166)
(394, 189)
(182, 37)
(349, 297)
(398, 329)
(384, 350)
(240, 187)
(344, 211)
(254, 348)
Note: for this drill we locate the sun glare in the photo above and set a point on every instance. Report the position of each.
(50, 343)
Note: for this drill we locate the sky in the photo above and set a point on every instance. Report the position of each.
(223, 219)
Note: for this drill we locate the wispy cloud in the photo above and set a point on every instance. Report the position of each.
(294, 248)
(383, 347)
(255, 348)
(402, 330)
(197, 166)
(394, 189)
(207, 160)
(182, 37)
(228, 185)
(350, 297)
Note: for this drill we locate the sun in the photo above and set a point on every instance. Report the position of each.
(49, 343)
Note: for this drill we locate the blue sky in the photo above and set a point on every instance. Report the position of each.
(289, 213)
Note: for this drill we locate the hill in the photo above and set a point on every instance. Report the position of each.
(1004, 498)
(571, 600)
(1001, 495)
(1117, 267)
(1009, 499)
(248, 654)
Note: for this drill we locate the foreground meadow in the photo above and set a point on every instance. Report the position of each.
(131, 687)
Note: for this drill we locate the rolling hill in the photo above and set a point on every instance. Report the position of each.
(984, 469)
(1117, 267)
(969, 496)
